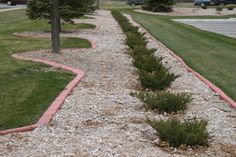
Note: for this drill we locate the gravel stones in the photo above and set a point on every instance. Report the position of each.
(100, 118)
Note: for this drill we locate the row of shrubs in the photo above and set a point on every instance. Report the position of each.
(155, 78)
(152, 74)
(219, 8)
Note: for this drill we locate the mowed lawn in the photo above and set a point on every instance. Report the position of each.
(210, 54)
(26, 88)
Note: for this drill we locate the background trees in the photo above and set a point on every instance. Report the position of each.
(159, 5)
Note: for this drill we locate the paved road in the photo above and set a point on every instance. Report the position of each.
(221, 26)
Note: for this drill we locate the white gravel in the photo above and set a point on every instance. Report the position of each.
(100, 118)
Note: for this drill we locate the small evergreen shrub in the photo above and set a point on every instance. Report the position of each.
(134, 39)
(189, 133)
(204, 7)
(139, 50)
(230, 7)
(156, 80)
(165, 101)
(148, 63)
(219, 8)
(159, 5)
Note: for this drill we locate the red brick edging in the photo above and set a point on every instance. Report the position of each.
(57, 103)
(213, 87)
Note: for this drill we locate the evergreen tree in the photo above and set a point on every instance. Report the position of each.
(68, 9)
(57, 10)
(159, 5)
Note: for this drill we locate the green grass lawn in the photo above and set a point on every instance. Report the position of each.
(26, 88)
(116, 4)
(210, 54)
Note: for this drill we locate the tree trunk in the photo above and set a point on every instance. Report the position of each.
(60, 29)
(55, 23)
(98, 4)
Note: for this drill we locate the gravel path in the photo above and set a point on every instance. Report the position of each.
(99, 118)
(205, 105)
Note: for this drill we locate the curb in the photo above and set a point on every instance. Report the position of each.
(57, 103)
(213, 87)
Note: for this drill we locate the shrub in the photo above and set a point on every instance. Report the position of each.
(156, 80)
(148, 63)
(165, 101)
(230, 7)
(159, 5)
(144, 59)
(204, 7)
(134, 39)
(190, 133)
(140, 50)
(219, 8)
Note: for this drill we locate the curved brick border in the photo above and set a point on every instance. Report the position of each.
(213, 87)
(57, 103)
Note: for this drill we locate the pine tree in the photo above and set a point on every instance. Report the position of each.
(159, 5)
(68, 9)
(55, 11)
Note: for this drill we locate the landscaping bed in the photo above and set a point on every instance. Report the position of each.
(102, 117)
